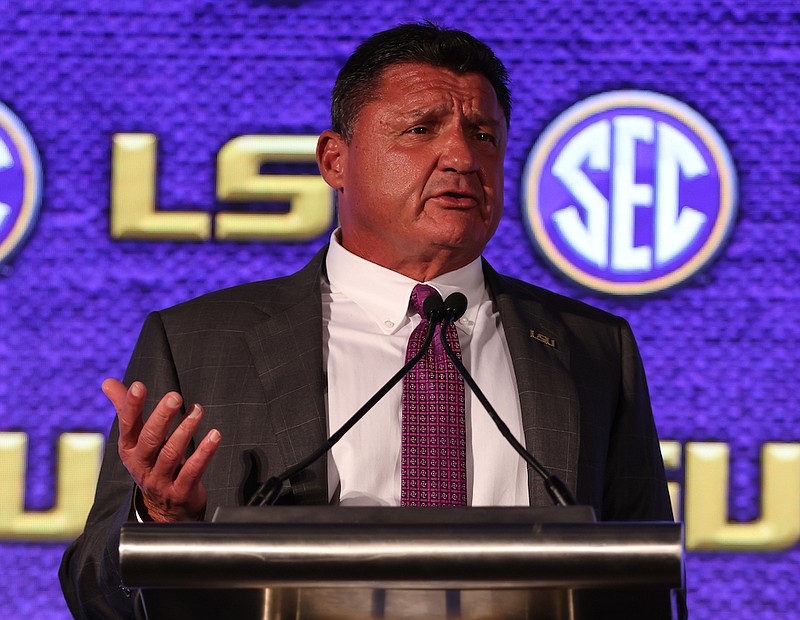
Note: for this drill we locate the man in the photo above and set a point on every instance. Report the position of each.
(420, 117)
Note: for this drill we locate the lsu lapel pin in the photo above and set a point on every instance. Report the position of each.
(550, 342)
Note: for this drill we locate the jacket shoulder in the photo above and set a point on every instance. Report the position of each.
(564, 308)
(244, 302)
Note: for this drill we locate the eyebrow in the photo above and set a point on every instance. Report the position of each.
(475, 120)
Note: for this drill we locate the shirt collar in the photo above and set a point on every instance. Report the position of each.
(383, 294)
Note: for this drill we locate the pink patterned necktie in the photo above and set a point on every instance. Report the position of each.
(434, 434)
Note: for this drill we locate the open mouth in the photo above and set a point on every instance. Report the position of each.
(457, 199)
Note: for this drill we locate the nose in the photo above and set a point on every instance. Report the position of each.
(457, 153)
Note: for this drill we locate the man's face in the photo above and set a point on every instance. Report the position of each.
(421, 181)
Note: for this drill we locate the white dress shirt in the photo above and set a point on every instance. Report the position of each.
(366, 326)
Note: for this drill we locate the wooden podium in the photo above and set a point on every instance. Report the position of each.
(300, 563)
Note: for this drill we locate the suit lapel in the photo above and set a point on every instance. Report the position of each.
(540, 353)
(287, 354)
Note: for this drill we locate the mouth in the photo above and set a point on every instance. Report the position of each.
(456, 199)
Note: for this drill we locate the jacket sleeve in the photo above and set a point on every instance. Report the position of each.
(635, 483)
(89, 573)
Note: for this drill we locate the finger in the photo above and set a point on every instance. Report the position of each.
(128, 404)
(156, 429)
(173, 452)
(188, 479)
(115, 391)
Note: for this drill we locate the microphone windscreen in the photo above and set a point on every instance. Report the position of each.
(456, 305)
(433, 303)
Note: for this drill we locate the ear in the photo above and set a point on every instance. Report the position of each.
(332, 158)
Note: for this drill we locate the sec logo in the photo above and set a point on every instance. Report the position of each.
(629, 192)
(20, 183)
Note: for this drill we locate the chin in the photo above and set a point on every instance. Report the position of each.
(465, 245)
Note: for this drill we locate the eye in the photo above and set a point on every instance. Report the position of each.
(418, 130)
(483, 136)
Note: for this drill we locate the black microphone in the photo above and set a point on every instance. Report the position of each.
(270, 491)
(454, 307)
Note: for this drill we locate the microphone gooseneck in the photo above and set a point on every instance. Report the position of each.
(437, 311)
(268, 493)
(454, 307)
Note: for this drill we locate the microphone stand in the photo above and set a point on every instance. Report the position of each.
(455, 305)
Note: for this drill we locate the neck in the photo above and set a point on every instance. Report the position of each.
(427, 271)
(422, 268)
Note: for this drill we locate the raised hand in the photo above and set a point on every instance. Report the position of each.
(170, 483)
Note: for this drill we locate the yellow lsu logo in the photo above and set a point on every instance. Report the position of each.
(135, 214)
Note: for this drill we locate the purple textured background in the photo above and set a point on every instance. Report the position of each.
(721, 351)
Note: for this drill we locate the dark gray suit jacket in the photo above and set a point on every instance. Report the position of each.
(252, 355)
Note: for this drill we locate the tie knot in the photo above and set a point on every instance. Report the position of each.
(420, 293)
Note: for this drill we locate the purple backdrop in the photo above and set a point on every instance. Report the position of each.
(721, 351)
